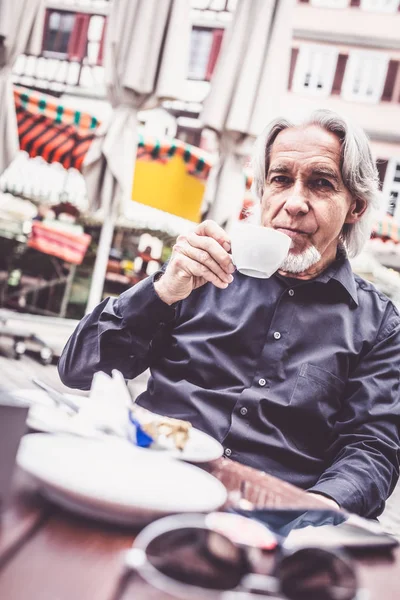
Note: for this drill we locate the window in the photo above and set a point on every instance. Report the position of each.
(315, 70)
(365, 76)
(330, 3)
(387, 6)
(58, 30)
(205, 45)
(74, 36)
(391, 187)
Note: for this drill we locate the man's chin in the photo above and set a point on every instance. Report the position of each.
(300, 261)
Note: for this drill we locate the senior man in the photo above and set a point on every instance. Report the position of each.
(297, 375)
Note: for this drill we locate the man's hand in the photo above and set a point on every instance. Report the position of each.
(328, 501)
(197, 258)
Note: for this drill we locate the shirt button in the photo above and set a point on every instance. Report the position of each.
(291, 292)
(277, 335)
(228, 451)
(243, 411)
(261, 382)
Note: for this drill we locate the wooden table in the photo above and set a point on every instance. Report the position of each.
(49, 554)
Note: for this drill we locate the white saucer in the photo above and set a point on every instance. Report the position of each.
(199, 448)
(115, 481)
(32, 396)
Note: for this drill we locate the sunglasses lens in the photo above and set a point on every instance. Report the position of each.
(317, 574)
(198, 557)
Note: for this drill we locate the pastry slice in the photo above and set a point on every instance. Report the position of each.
(166, 432)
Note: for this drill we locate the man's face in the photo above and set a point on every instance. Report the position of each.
(305, 196)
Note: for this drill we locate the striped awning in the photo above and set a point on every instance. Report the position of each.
(387, 228)
(194, 158)
(50, 130)
(61, 134)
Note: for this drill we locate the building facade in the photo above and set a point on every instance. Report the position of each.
(345, 56)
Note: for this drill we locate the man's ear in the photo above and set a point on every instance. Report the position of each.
(356, 210)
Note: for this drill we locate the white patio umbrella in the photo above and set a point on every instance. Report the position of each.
(21, 31)
(246, 90)
(146, 56)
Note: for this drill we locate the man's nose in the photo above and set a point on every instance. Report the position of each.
(296, 202)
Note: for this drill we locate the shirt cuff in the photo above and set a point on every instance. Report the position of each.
(142, 301)
(342, 491)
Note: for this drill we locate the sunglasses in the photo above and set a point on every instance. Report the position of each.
(186, 557)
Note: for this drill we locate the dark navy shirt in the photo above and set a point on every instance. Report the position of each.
(296, 378)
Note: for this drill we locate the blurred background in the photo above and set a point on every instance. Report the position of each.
(123, 123)
(127, 122)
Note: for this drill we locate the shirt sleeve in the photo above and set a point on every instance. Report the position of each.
(364, 456)
(120, 333)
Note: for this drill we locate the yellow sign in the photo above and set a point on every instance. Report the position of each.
(169, 183)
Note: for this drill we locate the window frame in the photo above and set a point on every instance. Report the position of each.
(348, 92)
(77, 48)
(46, 32)
(373, 6)
(216, 37)
(302, 66)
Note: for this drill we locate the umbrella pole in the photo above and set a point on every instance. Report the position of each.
(100, 265)
(67, 291)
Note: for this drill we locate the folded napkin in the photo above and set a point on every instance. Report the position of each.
(107, 407)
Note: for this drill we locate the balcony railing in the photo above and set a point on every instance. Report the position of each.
(59, 76)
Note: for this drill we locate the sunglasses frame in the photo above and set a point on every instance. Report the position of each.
(136, 559)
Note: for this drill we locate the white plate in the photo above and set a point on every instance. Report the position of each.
(46, 417)
(115, 481)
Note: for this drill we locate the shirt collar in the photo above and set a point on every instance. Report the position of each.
(340, 270)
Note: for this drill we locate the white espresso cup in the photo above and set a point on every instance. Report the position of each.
(258, 251)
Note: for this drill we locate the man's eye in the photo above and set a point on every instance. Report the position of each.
(322, 183)
(280, 179)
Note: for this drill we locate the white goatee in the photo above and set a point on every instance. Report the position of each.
(300, 263)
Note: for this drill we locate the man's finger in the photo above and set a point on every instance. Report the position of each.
(212, 248)
(213, 230)
(193, 268)
(204, 258)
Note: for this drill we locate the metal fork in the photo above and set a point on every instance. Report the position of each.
(55, 395)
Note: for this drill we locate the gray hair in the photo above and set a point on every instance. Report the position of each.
(358, 168)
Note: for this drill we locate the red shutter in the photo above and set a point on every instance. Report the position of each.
(218, 34)
(381, 165)
(304, 1)
(78, 41)
(45, 28)
(390, 80)
(355, 2)
(101, 48)
(339, 74)
(293, 60)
